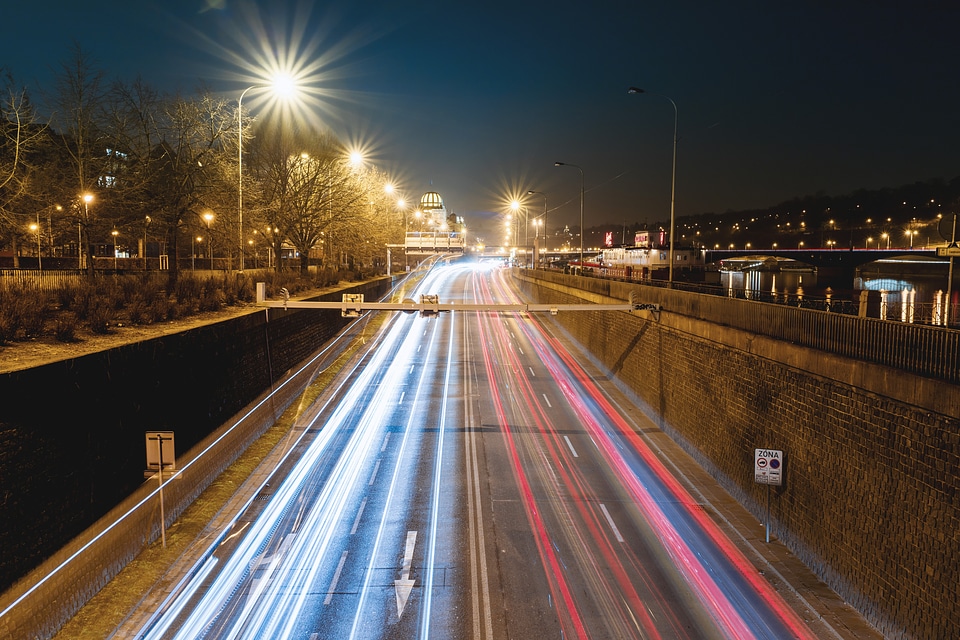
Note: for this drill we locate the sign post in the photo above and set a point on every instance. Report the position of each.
(768, 470)
(160, 455)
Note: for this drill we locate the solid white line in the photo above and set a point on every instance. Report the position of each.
(356, 521)
(547, 400)
(570, 444)
(373, 475)
(336, 578)
(616, 531)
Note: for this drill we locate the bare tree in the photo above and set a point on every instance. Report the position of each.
(176, 157)
(20, 137)
(77, 102)
(304, 185)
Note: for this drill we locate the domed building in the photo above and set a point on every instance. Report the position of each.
(434, 230)
(431, 201)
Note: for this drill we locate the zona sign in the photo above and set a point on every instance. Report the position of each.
(768, 466)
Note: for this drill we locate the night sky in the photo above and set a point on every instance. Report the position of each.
(478, 100)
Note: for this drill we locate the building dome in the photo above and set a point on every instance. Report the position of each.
(431, 201)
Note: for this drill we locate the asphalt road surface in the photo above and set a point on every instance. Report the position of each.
(472, 480)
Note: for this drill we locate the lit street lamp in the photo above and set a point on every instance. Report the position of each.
(567, 164)
(673, 177)
(208, 218)
(81, 254)
(543, 222)
(115, 233)
(35, 227)
(282, 85)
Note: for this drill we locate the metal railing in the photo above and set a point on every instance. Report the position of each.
(926, 350)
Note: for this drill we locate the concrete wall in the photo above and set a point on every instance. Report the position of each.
(872, 454)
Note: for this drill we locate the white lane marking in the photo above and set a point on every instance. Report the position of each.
(613, 526)
(404, 585)
(531, 372)
(386, 439)
(520, 349)
(373, 475)
(356, 521)
(547, 400)
(400, 401)
(336, 578)
(411, 368)
(570, 444)
(419, 347)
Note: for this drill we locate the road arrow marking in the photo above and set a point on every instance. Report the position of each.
(404, 585)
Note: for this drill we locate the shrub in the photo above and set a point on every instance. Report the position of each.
(23, 313)
(101, 315)
(65, 329)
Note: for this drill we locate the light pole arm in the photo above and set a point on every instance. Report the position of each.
(240, 170)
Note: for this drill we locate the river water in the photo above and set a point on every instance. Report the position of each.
(910, 290)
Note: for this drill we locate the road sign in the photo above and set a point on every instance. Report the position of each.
(768, 466)
(160, 451)
(952, 251)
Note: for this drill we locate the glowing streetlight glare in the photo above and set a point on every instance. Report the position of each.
(356, 158)
(401, 203)
(388, 188)
(284, 85)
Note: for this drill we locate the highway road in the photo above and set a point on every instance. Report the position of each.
(472, 480)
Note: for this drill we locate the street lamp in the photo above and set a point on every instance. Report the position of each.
(208, 218)
(886, 236)
(114, 233)
(282, 85)
(81, 254)
(35, 227)
(567, 164)
(544, 221)
(146, 223)
(673, 176)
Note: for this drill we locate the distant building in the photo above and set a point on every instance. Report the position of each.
(434, 229)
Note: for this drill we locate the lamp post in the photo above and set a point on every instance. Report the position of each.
(115, 233)
(146, 223)
(283, 85)
(35, 227)
(82, 257)
(567, 164)
(673, 177)
(240, 169)
(544, 217)
(208, 218)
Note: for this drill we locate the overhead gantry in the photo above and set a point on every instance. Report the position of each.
(353, 304)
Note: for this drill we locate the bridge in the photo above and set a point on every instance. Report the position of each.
(851, 258)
